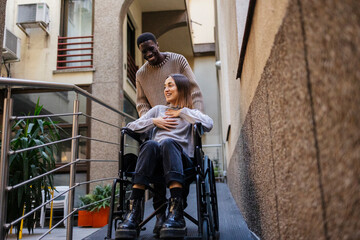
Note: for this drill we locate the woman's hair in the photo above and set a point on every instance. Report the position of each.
(183, 86)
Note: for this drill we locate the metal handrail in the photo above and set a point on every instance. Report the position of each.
(47, 115)
(75, 210)
(11, 152)
(52, 199)
(63, 86)
(9, 188)
(102, 121)
(99, 140)
(6, 152)
(62, 115)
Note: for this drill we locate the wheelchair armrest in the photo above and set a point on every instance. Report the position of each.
(198, 129)
(136, 136)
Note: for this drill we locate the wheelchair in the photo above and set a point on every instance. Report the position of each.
(202, 173)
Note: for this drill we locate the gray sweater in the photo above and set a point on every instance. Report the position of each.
(182, 133)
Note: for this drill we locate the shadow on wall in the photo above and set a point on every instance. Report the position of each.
(242, 184)
(249, 197)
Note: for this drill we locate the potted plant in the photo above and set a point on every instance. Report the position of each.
(26, 165)
(100, 210)
(85, 216)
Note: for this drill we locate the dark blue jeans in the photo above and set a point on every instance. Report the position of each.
(161, 163)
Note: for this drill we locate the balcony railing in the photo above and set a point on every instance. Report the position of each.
(131, 69)
(75, 52)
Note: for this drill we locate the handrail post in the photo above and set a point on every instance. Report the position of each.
(74, 154)
(4, 162)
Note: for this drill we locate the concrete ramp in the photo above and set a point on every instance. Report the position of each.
(232, 223)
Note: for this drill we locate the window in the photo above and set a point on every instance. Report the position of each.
(131, 66)
(76, 35)
(77, 18)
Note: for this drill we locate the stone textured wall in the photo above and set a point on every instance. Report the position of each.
(107, 85)
(295, 173)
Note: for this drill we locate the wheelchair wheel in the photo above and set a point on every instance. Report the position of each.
(208, 195)
(214, 203)
(205, 229)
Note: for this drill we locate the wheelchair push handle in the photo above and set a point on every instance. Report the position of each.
(199, 129)
(132, 134)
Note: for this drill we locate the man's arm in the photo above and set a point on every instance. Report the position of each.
(142, 104)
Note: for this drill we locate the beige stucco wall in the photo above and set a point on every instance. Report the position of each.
(236, 95)
(39, 51)
(205, 73)
(295, 169)
(267, 19)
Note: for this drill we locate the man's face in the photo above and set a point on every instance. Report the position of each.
(150, 52)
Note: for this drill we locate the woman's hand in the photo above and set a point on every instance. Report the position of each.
(165, 123)
(173, 113)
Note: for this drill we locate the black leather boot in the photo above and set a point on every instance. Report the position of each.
(129, 227)
(160, 219)
(174, 225)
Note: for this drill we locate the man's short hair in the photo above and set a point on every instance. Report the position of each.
(146, 36)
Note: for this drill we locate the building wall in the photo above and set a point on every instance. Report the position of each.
(39, 51)
(266, 22)
(2, 25)
(203, 23)
(108, 84)
(295, 169)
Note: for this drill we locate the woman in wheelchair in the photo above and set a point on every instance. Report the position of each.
(166, 155)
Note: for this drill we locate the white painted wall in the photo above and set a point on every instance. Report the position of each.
(202, 12)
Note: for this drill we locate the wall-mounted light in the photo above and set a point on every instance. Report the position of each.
(218, 64)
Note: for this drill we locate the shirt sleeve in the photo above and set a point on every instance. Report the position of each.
(196, 95)
(194, 116)
(144, 123)
(142, 104)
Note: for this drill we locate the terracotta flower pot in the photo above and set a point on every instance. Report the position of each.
(100, 218)
(85, 218)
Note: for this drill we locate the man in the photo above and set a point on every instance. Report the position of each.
(150, 80)
(151, 76)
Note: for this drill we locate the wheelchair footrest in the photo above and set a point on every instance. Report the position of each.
(173, 233)
(126, 234)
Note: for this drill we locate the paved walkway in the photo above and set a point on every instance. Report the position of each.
(56, 234)
(232, 224)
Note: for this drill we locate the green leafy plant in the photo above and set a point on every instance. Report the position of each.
(29, 164)
(99, 193)
(86, 200)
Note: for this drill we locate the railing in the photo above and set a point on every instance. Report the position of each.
(131, 69)
(6, 152)
(216, 153)
(72, 52)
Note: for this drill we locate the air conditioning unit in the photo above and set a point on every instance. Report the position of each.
(11, 47)
(33, 15)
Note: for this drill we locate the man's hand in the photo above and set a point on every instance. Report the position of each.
(173, 113)
(165, 123)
